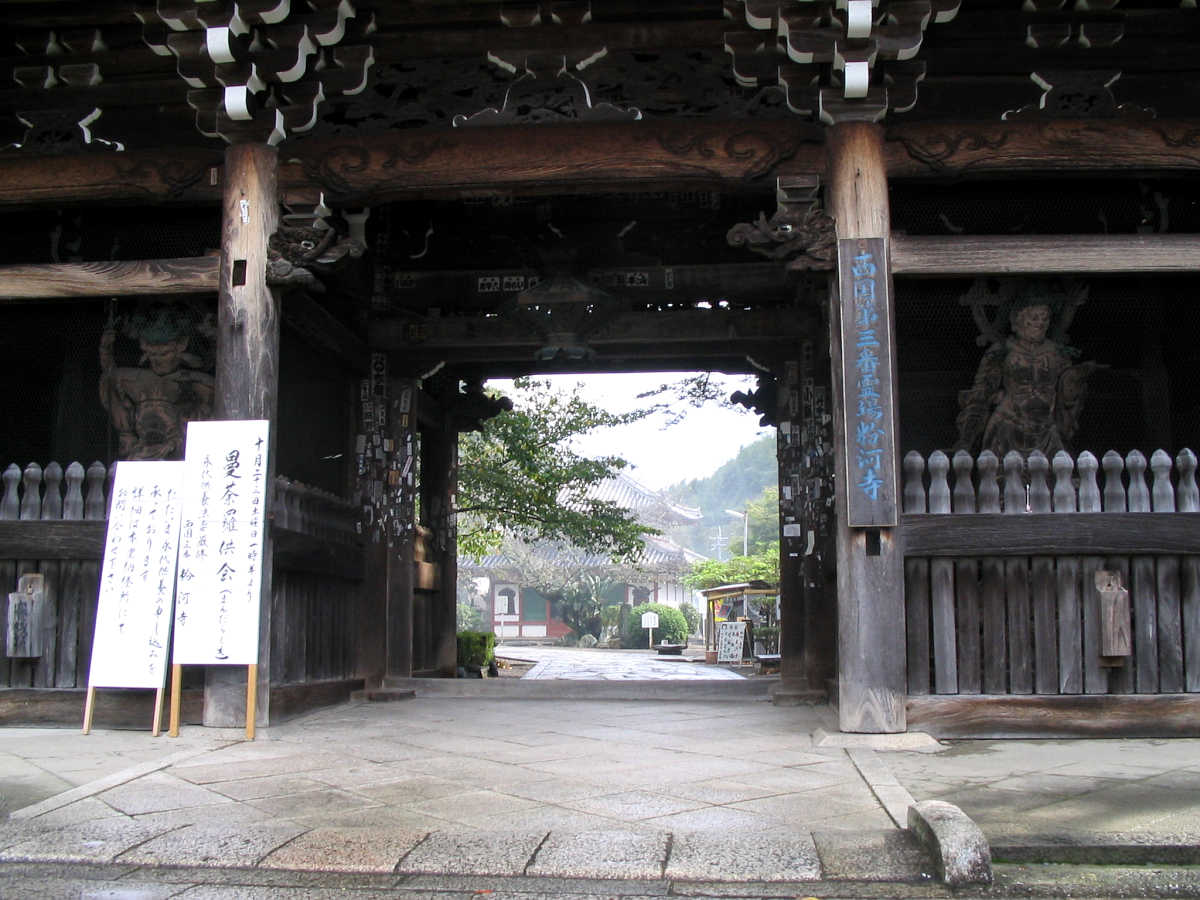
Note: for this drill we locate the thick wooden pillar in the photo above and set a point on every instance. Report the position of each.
(247, 377)
(439, 487)
(871, 661)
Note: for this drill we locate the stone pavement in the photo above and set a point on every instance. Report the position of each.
(557, 798)
(573, 663)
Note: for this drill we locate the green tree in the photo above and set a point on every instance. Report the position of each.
(519, 476)
(763, 511)
(710, 573)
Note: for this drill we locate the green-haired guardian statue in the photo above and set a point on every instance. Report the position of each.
(150, 405)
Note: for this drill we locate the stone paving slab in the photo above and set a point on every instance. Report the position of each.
(99, 841)
(872, 856)
(345, 850)
(602, 854)
(505, 853)
(738, 856)
(212, 845)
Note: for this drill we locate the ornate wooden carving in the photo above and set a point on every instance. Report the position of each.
(470, 407)
(799, 231)
(1084, 94)
(549, 89)
(60, 131)
(764, 400)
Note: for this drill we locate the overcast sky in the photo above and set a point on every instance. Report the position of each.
(664, 455)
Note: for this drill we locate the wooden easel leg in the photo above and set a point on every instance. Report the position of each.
(155, 727)
(251, 698)
(176, 698)
(89, 706)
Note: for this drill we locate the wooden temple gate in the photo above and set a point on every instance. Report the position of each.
(813, 120)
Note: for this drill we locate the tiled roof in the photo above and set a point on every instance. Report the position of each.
(660, 551)
(651, 507)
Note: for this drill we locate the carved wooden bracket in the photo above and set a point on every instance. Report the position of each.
(307, 248)
(471, 407)
(852, 61)
(61, 131)
(763, 400)
(799, 231)
(259, 69)
(549, 89)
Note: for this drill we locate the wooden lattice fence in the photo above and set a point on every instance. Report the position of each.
(1000, 566)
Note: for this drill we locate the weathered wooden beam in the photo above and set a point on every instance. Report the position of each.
(595, 155)
(1111, 534)
(161, 176)
(1077, 145)
(728, 328)
(52, 540)
(1045, 254)
(191, 275)
(1064, 716)
(575, 157)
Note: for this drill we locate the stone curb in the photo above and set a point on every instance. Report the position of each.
(1096, 848)
(960, 851)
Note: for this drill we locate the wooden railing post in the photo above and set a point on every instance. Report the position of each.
(1070, 616)
(916, 584)
(1187, 500)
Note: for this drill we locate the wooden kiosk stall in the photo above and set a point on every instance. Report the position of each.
(957, 243)
(737, 598)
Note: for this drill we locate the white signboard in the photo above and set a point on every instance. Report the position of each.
(137, 581)
(649, 620)
(731, 638)
(221, 544)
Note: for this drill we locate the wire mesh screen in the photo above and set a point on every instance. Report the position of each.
(1051, 205)
(50, 365)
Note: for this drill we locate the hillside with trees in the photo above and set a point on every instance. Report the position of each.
(739, 484)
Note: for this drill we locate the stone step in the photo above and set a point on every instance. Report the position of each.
(583, 689)
(384, 695)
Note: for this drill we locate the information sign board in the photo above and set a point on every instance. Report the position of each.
(137, 578)
(731, 639)
(221, 544)
(649, 620)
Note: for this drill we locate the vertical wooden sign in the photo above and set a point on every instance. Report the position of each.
(221, 545)
(137, 581)
(871, 486)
